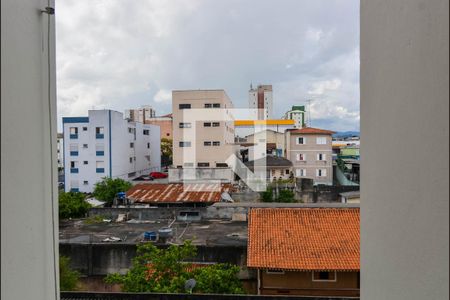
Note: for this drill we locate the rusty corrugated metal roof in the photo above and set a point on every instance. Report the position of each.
(178, 192)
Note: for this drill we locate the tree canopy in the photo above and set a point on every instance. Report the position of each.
(68, 279)
(108, 188)
(163, 270)
(72, 205)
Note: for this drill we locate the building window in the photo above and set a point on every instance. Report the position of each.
(216, 105)
(85, 182)
(324, 276)
(184, 125)
(286, 171)
(216, 143)
(131, 145)
(73, 149)
(274, 272)
(301, 141)
(188, 164)
(206, 143)
(216, 124)
(184, 106)
(85, 162)
(131, 160)
(132, 174)
(321, 140)
(300, 172)
(208, 105)
(207, 124)
(203, 164)
(99, 132)
(85, 146)
(148, 145)
(100, 166)
(146, 132)
(321, 172)
(73, 132)
(74, 167)
(99, 149)
(185, 144)
(221, 165)
(320, 156)
(301, 156)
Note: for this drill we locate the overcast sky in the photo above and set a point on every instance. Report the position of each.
(120, 54)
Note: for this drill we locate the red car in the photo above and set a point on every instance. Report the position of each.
(158, 175)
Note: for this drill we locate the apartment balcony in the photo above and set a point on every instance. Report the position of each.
(73, 136)
(100, 153)
(74, 170)
(99, 136)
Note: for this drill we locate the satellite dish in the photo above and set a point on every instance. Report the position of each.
(226, 197)
(189, 285)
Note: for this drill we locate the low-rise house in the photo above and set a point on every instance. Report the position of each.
(305, 251)
(178, 194)
(276, 168)
(310, 151)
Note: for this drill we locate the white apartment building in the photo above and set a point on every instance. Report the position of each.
(142, 114)
(60, 150)
(297, 113)
(310, 151)
(104, 144)
(261, 98)
(203, 135)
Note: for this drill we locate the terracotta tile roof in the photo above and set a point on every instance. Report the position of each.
(304, 239)
(177, 192)
(311, 130)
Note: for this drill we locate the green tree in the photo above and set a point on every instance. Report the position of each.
(218, 279)
(267, 196)
(68, 279)
(285, 196)
(163, 271)
(166, 151)
(108, 188)
(72, 205)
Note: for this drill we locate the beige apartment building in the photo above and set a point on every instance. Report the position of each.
(203, 135)
(310, 151)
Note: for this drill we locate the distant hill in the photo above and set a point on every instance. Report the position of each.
(344, 134)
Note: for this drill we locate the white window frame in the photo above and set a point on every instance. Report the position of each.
(321, 140)
(324, 280)
(324, 157)
(298, 140)
(322, 171)
(298, 156)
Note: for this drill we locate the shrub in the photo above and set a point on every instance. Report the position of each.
(107, 189)
(68, 279)
(72, 205)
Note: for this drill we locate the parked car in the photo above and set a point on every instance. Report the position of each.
(157, 175)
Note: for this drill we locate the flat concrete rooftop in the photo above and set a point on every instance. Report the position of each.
(204, 233)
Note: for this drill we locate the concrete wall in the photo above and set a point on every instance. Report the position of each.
(28, 152)
(405, 186)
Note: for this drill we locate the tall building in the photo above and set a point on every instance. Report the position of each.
(165, 123)
(104, 144)
(297, 113)
(310, 151)
(141, 114)
(261, 98)
(203, 134)
(60, 150)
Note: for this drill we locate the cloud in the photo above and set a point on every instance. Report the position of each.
(163, 96)
(116, 55)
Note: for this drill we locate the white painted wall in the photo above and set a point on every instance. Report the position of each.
(404, 149)
(29, 218)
